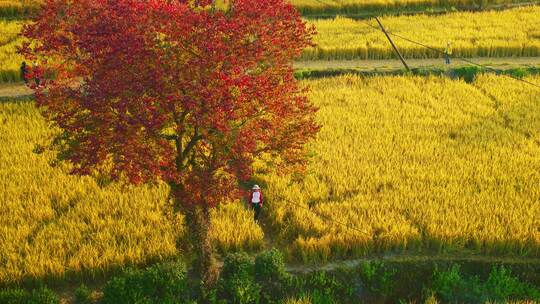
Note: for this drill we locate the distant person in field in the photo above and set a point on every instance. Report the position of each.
(24, 72)
(448, 52)
(256, 201)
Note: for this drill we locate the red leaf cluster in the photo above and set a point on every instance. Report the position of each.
(169, 90)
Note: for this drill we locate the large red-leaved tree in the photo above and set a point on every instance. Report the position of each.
(178, 91)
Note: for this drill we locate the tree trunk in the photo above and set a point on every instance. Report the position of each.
(198, 224)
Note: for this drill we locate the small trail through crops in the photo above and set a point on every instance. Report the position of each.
(17, 90)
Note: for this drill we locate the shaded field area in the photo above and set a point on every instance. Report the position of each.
(413, 164)
(10, 61)
(18, 8)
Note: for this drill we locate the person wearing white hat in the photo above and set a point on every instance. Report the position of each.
(256, 201)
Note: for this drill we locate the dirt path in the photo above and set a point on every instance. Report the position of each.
(389, 65)
(10, 90)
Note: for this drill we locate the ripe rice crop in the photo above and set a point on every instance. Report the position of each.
(52, 224)
(415, 164)
(514, 32)
(10, 61)
(355, 7)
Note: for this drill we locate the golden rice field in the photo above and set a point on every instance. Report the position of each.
(415, 164)
(53, 224)
(514, 32)
(509, 33)
(327, 7)
(10, 61)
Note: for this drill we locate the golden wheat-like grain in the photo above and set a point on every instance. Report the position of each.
(507, 33)
(52, 223)
(416, 164)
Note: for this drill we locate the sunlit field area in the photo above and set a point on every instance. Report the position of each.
(412, 164)
(326, 7)
(507, 33)
(416, 164)
(418, 180)
(52, 223)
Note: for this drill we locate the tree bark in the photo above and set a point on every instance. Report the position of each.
(198, 224)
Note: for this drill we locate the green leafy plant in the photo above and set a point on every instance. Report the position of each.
(271, 275)
(378, 278)
(83, 295)
(501, 286)
(237, 282)
(162, 283)
(41, 295)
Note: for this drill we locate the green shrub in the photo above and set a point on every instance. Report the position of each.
(451, 286)
(237, 281)
(271, 275)
(42, 295)
(319, 286)
(162, 283)
(83, 295)
(502, 286)
(378, 279)
(322, 297)
(13, 296)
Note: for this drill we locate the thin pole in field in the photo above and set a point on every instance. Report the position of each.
(393, 45)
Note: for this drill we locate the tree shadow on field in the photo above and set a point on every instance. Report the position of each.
(16, 99)
(522, 120)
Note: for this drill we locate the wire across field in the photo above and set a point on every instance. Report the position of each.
(514, 32)
(401, 164)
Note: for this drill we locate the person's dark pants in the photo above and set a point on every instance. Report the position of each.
(447, 57)
(257, 210)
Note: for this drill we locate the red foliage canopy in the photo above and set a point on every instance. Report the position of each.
(171, 90)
